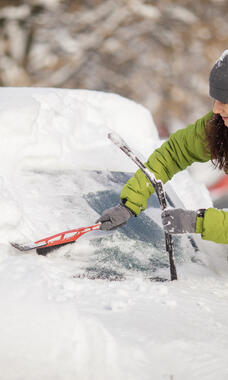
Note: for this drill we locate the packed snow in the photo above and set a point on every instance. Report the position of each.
(93, 310)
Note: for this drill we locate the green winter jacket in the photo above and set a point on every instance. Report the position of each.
(184, 147)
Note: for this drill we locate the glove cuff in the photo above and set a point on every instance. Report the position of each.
(122, 203)
(199, 220)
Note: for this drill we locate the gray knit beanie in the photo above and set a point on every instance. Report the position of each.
(218, 80)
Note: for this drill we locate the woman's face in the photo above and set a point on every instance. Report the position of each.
(221, 109)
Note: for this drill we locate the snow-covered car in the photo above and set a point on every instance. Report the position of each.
(61, 315)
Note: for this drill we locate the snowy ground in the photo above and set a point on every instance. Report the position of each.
(58, 319)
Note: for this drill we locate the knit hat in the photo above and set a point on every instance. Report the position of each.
(218, 79)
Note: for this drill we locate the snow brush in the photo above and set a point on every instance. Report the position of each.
(47, 244)
(158, 187)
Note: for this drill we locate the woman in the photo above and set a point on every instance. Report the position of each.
(206, 139)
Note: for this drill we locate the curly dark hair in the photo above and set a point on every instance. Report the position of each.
(217, 141)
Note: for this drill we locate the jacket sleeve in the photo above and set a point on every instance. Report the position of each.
(182, 149)
(215, 226)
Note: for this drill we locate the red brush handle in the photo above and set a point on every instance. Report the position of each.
(67, 236)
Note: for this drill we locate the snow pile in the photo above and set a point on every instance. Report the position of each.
(53, 130)
(56, 324)
(64, 129)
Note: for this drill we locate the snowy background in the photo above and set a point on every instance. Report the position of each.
(92, 310)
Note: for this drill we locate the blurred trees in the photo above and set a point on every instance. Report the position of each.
(158, 53)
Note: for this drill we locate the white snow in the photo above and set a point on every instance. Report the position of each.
(55, 324)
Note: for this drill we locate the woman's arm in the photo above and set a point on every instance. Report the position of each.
(184, 147)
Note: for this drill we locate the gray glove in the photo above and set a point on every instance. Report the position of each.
(179, 221)
(114, 217)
